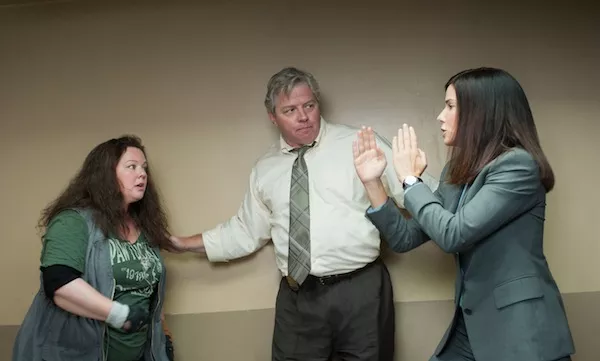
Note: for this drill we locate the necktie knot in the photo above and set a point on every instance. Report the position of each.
(303, 149)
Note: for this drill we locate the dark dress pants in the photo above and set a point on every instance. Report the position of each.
(348, 319)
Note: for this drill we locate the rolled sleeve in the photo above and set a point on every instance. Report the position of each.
(213, 246)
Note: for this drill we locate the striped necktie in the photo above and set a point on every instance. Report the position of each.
(299, 232)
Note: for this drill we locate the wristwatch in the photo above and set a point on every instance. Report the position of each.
(410, 181)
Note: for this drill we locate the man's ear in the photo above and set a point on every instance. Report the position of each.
(272, 118)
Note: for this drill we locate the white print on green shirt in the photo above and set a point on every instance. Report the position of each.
(135, 266)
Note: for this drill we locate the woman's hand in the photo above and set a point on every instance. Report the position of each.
(369, 160)
(408, 158)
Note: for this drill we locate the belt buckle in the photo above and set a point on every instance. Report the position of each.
(292, 283)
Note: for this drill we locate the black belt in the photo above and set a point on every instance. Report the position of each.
(312, 280)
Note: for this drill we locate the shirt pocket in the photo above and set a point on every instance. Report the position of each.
(518, 290)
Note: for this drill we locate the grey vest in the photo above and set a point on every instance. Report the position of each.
(48, 333)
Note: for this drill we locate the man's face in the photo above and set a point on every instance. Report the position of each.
(297, 116)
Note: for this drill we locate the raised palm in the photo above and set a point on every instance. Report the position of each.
(369, 160)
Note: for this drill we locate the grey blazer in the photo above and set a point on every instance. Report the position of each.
(512, 307)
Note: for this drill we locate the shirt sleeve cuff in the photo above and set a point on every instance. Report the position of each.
(213, 246)
(381, 216)
(373, 210)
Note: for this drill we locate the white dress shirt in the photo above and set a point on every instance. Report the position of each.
(342, 238)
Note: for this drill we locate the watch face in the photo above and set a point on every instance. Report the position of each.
(410, 180)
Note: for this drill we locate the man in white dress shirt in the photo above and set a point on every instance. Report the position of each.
(335, 297)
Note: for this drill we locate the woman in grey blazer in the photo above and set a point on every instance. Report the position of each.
(488, 211)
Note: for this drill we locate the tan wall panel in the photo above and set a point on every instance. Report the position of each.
(246, 335)
(190, 79)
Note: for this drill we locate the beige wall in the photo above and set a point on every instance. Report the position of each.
(189, 78)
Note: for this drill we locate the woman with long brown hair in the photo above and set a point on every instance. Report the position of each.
(102, 275)
(488, 211)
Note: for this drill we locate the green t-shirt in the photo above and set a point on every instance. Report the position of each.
(136, 270)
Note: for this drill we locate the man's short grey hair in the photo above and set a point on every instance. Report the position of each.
(284, 81)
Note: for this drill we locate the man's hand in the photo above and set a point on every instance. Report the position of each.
(369, 160)
(175, 245)
(408, 158)
(185, 244)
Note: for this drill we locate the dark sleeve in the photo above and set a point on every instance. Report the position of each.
(401, 234)
(56, 276)
(509, 190)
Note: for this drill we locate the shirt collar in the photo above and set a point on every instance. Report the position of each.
(286, 148)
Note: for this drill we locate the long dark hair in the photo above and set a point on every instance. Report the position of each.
(96, 187)
(493, 116)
